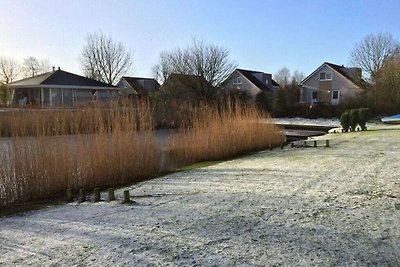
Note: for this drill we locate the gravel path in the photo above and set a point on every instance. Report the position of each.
(337, 206)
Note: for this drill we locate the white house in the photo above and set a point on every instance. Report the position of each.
(60, 88)
(252, 82)
(331, 84)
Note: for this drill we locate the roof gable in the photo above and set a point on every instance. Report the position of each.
(338, 69)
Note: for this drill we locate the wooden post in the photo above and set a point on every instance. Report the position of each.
(69, 195)
(96, 193)
(111, 195)
(315, 143)
(327, 143)
(292, 144)
(127, 197)
(82, 195)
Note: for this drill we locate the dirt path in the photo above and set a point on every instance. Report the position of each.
(337, 206)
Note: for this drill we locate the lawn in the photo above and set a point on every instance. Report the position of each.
(336, 206)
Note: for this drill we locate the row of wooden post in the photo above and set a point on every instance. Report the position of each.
(314, 142)
(97, 196)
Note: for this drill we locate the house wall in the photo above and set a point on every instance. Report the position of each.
(346, 88)
(53, 97)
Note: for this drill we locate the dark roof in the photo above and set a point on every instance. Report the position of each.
(187, 86)
(249, 75)
(150, 84)
(60, 77)
(188, 80)
(275, 83)
(341, 71)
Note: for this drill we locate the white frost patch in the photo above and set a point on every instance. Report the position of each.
(304, 206)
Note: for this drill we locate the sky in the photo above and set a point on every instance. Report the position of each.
(261, 35)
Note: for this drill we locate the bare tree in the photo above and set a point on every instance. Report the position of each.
(105, 59)
(9, 70)
(282, 77)
(32, 66)
(297, 77)
(370, 53)
(200, 59)
(387, 89)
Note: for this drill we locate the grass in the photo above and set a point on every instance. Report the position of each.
(50, 151)
(197, 165)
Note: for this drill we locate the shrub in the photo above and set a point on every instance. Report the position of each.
(345, 121)
(354, 119)
(363, 116)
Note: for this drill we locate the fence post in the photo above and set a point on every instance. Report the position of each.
(82, 195)
(127, 197)
(111, 195)
(69, 195)
(315, 143)
(327, 143)
(96, 193)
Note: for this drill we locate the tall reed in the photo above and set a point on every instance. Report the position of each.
(75, 149)
(216, 132)
(50, 151)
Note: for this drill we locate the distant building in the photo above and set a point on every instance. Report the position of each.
(187, 87)
(60, 88)
(251, 82)
(137, 86)
(331, 84)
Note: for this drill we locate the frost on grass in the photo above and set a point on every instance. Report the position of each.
(308, 206)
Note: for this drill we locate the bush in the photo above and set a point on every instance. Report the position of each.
(345, 121)
(364, 115)
(353, 119)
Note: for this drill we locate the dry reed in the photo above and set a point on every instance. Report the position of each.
(51, 151)
(218, 133)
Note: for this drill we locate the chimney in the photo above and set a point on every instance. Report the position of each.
(59, 68)
(54, 68)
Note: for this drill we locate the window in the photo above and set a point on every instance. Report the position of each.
(335, 95)
(315, 95)
(325, 76)
(237, 80)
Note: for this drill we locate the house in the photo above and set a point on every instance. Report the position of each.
(60, 88)
(331, 84)
(137, 86)
(252, 82)
(187, 87)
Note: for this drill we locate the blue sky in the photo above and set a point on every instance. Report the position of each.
(261, 35)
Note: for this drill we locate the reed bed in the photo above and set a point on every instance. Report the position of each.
(76, 149)
(46, 152)
(215, 133)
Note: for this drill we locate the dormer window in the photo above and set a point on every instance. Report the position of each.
(237, 80)
(323, 76)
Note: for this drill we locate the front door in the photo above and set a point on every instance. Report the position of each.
(335, 97)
